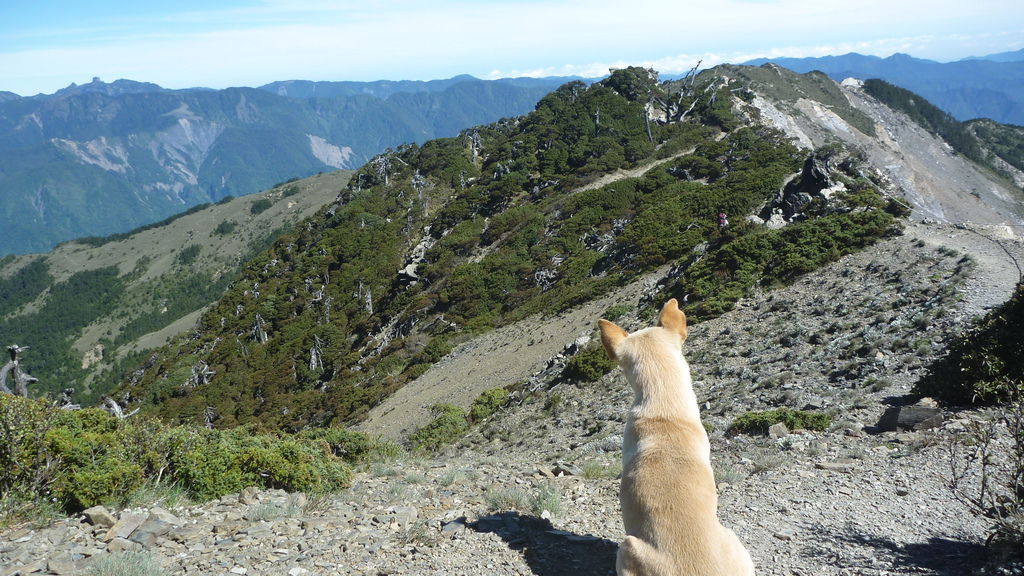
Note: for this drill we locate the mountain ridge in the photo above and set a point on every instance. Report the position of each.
(967, 89)
(472, 258)
(145, 152)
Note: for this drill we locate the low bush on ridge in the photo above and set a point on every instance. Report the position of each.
(982, 366)
(77, 459)
(759, 422)
(451, 422)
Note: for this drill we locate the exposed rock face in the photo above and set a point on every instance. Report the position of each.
(920, 167)
(817, 182)
(93, 356)
(920, 416)
(339, 157)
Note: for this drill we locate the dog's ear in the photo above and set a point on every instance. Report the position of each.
(672, 318)
(611, 337)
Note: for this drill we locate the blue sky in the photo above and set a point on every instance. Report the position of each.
(46, 45)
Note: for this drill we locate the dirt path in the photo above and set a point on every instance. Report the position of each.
(631, 173)
(997, 251)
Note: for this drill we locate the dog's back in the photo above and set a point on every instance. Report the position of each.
(668, 494)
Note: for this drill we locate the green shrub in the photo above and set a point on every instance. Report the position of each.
(437, 348)
(503, 499)
(548, 499)
(487, 403)
(218, 462)
(260, 206)
(594, 470)
(984, 365)
(226, 227)
(188, 254)
(759, 422)
(81, 458)
(23, 425)
(588, 365)
(448, 425)
(352, 446)
(127, 563)
(617, 311)
(93, 468)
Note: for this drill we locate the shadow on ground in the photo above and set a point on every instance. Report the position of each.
(551, 552)
(938, 556)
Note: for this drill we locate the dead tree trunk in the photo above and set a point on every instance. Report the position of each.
(114, 409)
(21, 380)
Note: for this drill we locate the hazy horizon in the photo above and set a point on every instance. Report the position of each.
(48, 45)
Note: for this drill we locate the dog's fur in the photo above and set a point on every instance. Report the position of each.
(668, 495)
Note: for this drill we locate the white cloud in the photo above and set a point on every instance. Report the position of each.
(254, 43)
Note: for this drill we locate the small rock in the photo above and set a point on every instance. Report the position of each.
(147, 533)
(165, 516)
(917, 417)
(122, 545)
(189, 534)
(846, 467)
(126, 525)
(567, 469)
(785, 534)
(62, 564)
(24, 569)
(545, 472)
(99, 516)
(297, 571)
(403, 516)
(257, 530)
(778, 430)
(249, 495)
(454, 528)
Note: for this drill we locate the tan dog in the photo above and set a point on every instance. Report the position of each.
(668, 495)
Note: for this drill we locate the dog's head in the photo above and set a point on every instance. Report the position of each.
(671, 327)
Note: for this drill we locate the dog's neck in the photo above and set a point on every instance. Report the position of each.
(660, 378)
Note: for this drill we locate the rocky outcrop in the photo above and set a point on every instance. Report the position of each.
(813, 188)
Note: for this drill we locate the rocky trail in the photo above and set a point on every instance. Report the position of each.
(534, 490)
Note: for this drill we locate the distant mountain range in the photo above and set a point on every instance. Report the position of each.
(984, 87)
(102, 158)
